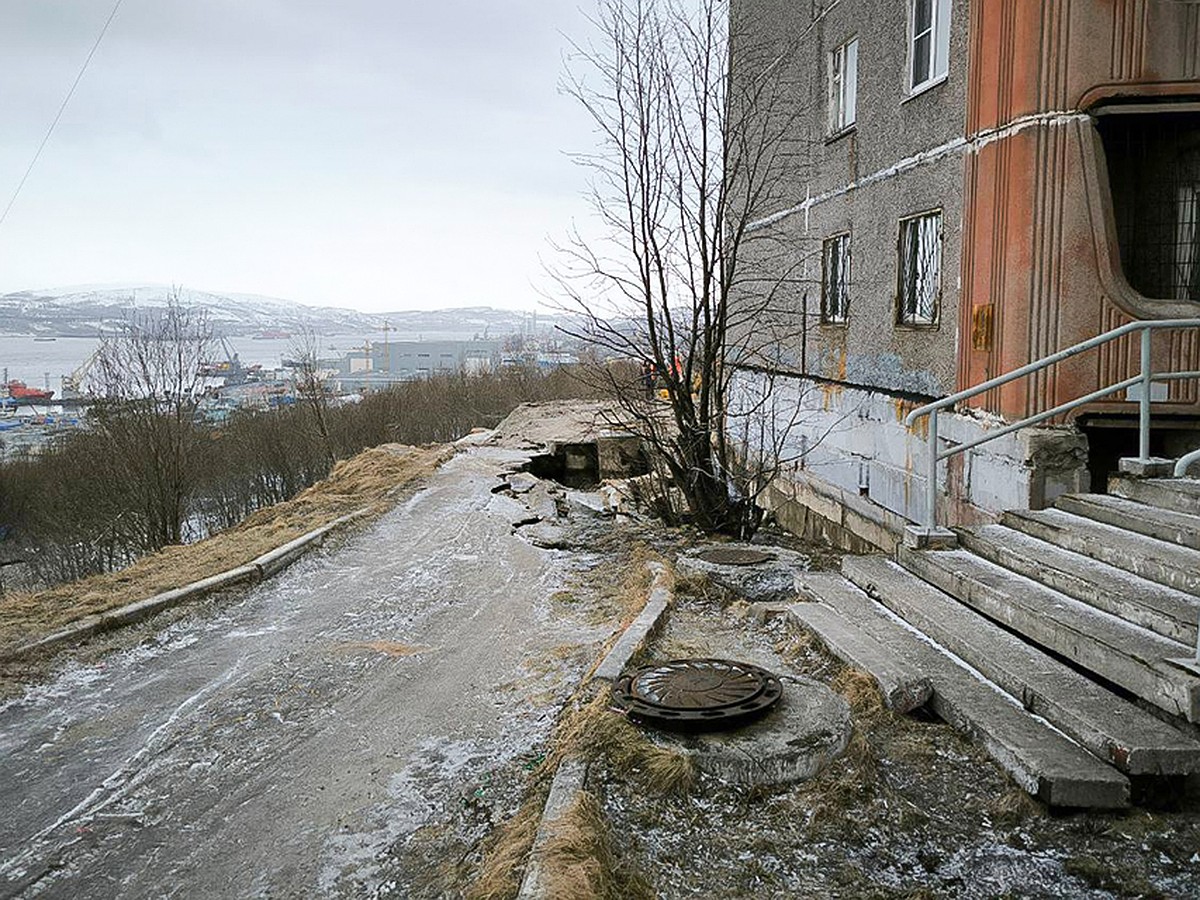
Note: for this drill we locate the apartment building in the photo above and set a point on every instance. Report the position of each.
(986, 182)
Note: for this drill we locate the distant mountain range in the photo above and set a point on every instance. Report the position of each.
(86, 311)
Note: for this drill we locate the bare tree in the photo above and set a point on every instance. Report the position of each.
(686, 282)
(147, 381)
(310, 387)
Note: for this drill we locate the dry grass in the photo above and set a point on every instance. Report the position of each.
(593, 731)
(861, 692)
(578, 862)
(388, 648)
(1014, 807)
(505, 857)
(371, 479)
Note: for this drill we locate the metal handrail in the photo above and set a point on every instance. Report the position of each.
(1145, 378)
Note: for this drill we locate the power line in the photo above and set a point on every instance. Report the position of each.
(61, 110)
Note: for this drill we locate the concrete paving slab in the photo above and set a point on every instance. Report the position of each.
(1169, 564)
(1161, 609)
(1131, 657)
(1152, 521)
(1111, 728)
(1042, 760)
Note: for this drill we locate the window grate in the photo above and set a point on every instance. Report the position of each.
(1154, 176)
(835, 279)
(920, 268)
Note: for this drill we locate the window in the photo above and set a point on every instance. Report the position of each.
(920, 268)
(835, 279)
(843, 86)
(929, 47)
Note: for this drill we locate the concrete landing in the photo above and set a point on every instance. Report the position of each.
(1112, 729)
(1041, 760)
(1152, 521)
(808, 728)
(1169, 564)
(1177, 494)
(1148, 604)
(1132, 657)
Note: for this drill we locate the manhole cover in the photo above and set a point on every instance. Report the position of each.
(734, 556)
(697, 694)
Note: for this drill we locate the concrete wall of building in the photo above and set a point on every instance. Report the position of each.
(419, 359)
(864, 181)
(848, 446)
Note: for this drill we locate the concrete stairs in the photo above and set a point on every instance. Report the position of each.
(1048, 637)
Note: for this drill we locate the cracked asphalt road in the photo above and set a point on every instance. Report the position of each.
(278, 744)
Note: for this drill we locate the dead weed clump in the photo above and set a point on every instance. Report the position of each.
(506, 855)
(369, 480)
(578, 861)
(597, 733)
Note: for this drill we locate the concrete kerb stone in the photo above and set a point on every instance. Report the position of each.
(259, 569)
(640, 630)
(566, 786)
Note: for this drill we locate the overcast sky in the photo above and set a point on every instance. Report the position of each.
(376, 154)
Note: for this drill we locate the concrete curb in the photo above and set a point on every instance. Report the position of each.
(270, 563)
(569, 778)
(640, 630)
(566, 786)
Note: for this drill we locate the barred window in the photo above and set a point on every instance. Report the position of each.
(835, 279)
(920, 268)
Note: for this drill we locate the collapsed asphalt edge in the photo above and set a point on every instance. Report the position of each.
(571, 774)
(259, 569)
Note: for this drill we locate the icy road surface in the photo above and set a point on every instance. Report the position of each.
(267, 749)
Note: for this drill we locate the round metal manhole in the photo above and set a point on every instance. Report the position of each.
(734, 556)
(697, 694)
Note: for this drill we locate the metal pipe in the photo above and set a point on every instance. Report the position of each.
(1050, 360)
(932, 474)
(1181, 465)
(1144, 402)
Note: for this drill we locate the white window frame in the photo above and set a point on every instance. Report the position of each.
(938, 37)
(843, 87)
(919, 270)
(835, 279)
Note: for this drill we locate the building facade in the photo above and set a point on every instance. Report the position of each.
(987, 182)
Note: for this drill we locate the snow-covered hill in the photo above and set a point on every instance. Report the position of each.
(86, 310)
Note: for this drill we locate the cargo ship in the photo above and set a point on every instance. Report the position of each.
(23, 393)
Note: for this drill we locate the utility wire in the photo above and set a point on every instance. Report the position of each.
(61, 110)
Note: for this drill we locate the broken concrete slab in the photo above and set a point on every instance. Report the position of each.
(903, 686)
(1169, 564)
(1151, 605)
(1154, 467)
(1043, 761)
(639, 631)
(773, 580)
(1124, 654)
(1111, 728)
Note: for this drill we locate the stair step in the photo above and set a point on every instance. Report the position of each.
(1164, 610)
(903, 686)
(1126, 655)
(1152, 521)
(1042, 761)
(1108, 726)
(1178, 494)
(1169, 564)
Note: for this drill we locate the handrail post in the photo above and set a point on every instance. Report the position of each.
(1144, 404)
(931, 473)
